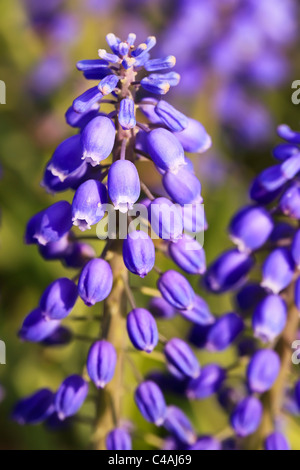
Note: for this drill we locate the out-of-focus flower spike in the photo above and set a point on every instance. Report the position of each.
(108, 84)
(113, 58)
(87, 100)
(101, 363)
(286, 133)
(171, 117)
(113, 41)
(70, 396)
(269, 318)
(131, 38)
(164, 63)
(126, 114)
(278, 270)
(157, 86)
(86, 65)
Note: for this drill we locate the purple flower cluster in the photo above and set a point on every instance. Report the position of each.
(99, 165)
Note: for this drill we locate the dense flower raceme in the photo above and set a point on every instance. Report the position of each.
(254, 329)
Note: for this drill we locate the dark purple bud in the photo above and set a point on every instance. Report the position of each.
(80, 120)
(282, 231)
(277, 441)
(260, 194)
(229, 397)
(289, 203)
(165, 219)
(60, 337)
(118, 439)
(167, 382)
(247, 346)
(296, 249)
(297, 294)
(58, 299)
(178, 424)
(171, 117)
(35, 328)
(181, 360)
(229, 271)
(247, 416)
(86, 102)
(101, 363)
(251, 228)
(199, 313)
(210, 381)
(151, 403)
(87, 205)
(49, 225)
(55, 250)
(278, 270)
(198, 335)
(95, 281)
(269, 318)
(283, 151)
(165, 150)
(206, 443)
(78, 255)
(183, 187)
(34, 409)
(249, 296)
(176, 290)
(142, 330)
(263, 370)
(189, 255)
(98, 139)
(123, 185)
(224, 332)
(160, 308)
(70, 396)
(67, 159)
(139, 253)
(126, 114)
(194, 138)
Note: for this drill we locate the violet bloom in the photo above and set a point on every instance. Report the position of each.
(176, 290)
(70, 396)
(95, 281)
(139, 253)
(34, 409)
(151, 403)
(98, 139)
(247, 416)
(101, 363)
(58, 299)
(142, 330)
(123, 185)
(263, 370)
(87, 205)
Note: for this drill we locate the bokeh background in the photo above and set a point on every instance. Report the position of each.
(237, 59)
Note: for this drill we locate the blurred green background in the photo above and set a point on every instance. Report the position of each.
(32, 125)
